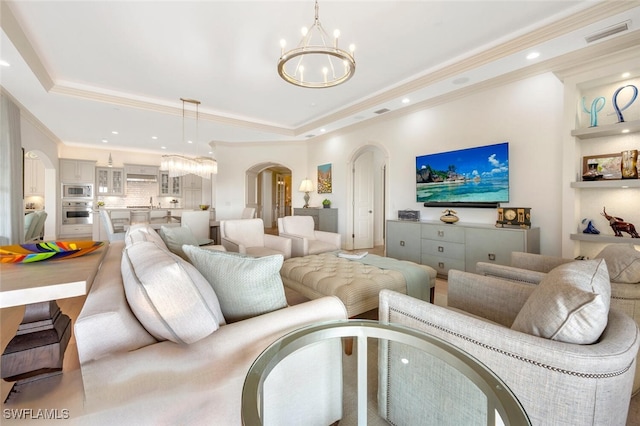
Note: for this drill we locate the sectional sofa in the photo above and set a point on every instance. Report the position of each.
(158, 345)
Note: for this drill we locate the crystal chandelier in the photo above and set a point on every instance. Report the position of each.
(180, 165)
(316, 62)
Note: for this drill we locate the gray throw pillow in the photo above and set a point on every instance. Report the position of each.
(571, 304)
(177, 236)
(170, 298)
(246, 286)
(623, 262)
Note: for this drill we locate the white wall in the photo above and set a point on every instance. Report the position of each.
(526, 113)
(235, 159)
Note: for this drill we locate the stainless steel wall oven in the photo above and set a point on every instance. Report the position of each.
(77, 212)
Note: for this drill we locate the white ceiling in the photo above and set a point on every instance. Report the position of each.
(86, 69)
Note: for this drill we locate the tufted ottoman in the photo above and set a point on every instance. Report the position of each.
(356, 284)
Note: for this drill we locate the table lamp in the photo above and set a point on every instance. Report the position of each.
(306, 186)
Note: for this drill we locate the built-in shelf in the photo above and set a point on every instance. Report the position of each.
(615, 129)
(599, 238)
(618, 183)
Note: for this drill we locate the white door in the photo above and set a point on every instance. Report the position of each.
(363, 197)
(281, 196)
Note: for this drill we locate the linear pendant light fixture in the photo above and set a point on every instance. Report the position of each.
(180, 165)
(316, 62)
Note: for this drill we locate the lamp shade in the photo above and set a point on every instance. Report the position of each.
(306, 186)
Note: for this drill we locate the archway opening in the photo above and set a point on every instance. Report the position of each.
(269, 192)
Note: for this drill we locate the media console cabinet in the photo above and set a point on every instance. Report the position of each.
(457, 246)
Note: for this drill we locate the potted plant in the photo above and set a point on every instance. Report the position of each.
(326, 203)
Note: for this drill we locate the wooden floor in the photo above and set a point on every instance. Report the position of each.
(10, 319)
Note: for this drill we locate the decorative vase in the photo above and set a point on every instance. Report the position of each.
(326, 206)
(449, 216)
(629, 164)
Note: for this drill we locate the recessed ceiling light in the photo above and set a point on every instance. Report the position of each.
(4, 63)
(189, 141)
(406, 100)
(115, 132)
(154, 137)
(625, 130)
(533, 55)
(626, 75)
(163, 147)
(460, 80)
(104, 141)
(323, 130)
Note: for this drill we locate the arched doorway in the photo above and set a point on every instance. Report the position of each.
(48, 199)
(368, 195)
(269, 192)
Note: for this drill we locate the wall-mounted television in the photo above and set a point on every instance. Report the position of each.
(471, 177)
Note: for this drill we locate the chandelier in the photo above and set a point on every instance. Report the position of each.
(316, 62)
(180, 165)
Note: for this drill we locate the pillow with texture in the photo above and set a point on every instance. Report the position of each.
(246, 286)
(623, 262)
(170, 298)
(571, 304)
(177, 236)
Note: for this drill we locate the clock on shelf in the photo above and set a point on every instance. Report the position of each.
(514, 216)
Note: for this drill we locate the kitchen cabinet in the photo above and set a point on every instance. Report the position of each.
(170, 186)
(139, 169)
(76, 231)
(444, 246)
(191, 191)
(33, 177)
(77, 171)
(109, 181)
(323, 219)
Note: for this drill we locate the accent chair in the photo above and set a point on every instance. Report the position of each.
(304, 239)
(247, 236)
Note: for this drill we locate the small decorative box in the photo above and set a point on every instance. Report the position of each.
(409, 215)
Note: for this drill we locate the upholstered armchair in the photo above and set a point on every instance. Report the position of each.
(511, 328)
(304, 239)
(623, 263)
(247, 236)
(198, 222)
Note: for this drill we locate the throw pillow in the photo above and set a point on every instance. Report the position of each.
(623, 262)
(177, 236)
(170, 298)
(246, 286)
(571, 304)
(142, 232)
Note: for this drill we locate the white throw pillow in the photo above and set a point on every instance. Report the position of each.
(177, 236)
(170, 298)
(571, 304)
(246, 286)
(623, 262)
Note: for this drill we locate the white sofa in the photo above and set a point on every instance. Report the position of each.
(130, 377)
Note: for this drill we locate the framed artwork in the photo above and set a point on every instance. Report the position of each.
(607, 164)
(324, 179)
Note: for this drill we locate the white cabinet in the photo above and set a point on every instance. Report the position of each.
(444, 246)
(170, 186)
(77, 171)
(109, 181)
(76, 231)
(191, 191)
(33, 177)
(139, 169)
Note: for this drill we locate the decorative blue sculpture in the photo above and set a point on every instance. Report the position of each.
(588, 227)
(615, 101)
(596, 107)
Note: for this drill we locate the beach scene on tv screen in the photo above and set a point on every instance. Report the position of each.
(479, 174)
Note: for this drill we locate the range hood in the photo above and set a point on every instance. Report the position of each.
(139, 177)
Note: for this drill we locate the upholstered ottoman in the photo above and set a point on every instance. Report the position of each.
(357, 282)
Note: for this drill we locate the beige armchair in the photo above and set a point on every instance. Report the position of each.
(247, 236)
(198, 222)
(556, 382)
(304, 239)
(621, 259)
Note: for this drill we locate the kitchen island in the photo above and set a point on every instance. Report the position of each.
(122, 217)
